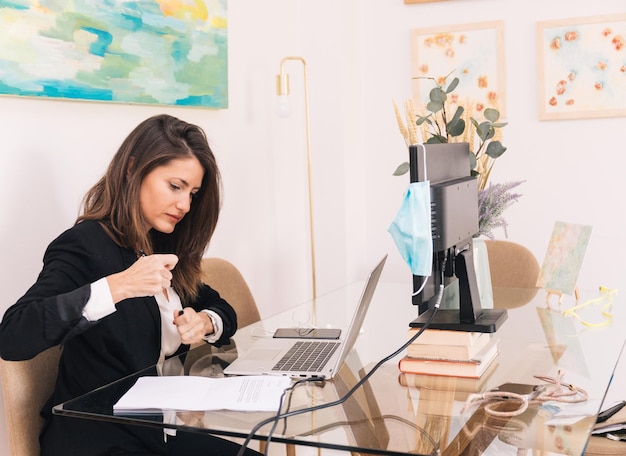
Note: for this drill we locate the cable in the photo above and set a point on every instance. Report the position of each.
(282, 398)
(421, 288)
(351, 391)
(276, 417)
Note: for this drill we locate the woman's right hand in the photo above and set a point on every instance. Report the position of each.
(148, 276)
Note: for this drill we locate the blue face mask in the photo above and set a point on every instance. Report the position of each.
(411, 229)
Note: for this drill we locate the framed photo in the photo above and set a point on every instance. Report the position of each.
(165, 53)
(582, 67)
(472, 52)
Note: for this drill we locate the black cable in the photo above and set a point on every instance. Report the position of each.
(282, 398)
(352, 390)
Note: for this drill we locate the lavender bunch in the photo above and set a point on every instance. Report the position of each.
(492, 201)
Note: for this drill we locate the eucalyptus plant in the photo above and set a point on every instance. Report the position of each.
(438, 127)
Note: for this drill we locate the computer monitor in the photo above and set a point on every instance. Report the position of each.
(454, 220)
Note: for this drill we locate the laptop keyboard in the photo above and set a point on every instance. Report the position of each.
(306, 356)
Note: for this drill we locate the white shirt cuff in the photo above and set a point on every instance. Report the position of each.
(218, 326)
(100, 302)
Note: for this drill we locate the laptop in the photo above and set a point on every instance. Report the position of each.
(271, 356)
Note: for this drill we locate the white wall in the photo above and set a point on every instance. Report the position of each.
(358, 62)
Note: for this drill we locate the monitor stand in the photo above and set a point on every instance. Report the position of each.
(488, 321)
(469, 316)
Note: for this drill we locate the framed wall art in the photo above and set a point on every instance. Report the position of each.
(472, 52)
(147, 52)
(582, 67)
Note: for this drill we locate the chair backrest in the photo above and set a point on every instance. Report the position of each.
(26, 386)
(511, 264)
(515, 268)
(224, 277)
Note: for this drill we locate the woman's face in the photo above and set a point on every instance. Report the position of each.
(167, 191)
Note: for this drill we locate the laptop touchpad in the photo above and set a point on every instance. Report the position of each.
(263, 354)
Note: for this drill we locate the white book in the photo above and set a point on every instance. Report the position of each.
(449, 352)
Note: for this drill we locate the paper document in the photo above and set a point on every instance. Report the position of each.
(194, 393)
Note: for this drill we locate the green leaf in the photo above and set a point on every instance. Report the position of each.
(434, 106)
(402, 169)
(483, 131)
(437, 139)
(456, 128)
(499, 124)
(491, 114)
(458, 114)
(473, 161)
(438, 95)
(490, 133)
(453, 84)
(495, 149)
(421, 120)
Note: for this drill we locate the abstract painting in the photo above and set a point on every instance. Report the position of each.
(472, 52)
(582, 67)
(165, 52)
(564, 258)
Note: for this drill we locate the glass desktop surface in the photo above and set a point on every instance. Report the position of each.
(386, 417)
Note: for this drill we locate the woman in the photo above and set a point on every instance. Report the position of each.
(121, 289)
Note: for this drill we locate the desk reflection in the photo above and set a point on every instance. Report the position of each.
(391, 416)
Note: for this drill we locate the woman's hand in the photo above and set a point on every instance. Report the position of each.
(192, 326)
(148, 276)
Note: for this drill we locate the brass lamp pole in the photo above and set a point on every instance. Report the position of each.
(282, 90)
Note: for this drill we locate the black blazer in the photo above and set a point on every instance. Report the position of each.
(94, 353)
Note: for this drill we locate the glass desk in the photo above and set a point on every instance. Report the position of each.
(386, 417)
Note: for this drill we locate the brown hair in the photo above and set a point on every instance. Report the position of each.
(114, 199)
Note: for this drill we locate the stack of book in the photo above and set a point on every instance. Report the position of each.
(447, 353)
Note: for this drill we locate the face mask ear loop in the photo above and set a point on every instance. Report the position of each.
(415, 293)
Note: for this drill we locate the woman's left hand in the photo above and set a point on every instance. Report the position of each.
(192, 326)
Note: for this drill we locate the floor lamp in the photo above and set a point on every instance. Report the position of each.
(282, 90)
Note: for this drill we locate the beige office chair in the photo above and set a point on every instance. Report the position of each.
(224, 277)
(26, 386)
(515, 268)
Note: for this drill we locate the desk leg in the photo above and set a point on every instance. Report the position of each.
(290, 449)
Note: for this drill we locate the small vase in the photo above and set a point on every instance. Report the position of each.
(483, 273)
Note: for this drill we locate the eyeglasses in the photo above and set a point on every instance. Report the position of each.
(606, 297)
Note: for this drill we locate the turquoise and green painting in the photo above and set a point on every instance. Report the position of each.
(165, 52)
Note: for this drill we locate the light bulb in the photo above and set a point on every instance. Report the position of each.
(283, 107)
